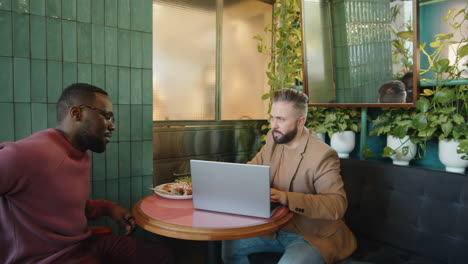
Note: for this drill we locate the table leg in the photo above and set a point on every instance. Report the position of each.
(213, 255)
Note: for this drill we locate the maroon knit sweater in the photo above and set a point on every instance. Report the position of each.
(44, 205)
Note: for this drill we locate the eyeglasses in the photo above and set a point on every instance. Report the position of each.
(108, 116)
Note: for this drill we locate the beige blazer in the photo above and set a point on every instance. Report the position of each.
(315, 194)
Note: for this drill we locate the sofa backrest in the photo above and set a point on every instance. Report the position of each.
(423, 211)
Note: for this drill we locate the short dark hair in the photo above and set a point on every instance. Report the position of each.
(299, 99)
(392, 92)
(76, 94)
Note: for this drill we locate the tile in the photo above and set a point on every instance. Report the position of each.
(21, 80)
(147, 183)
(54, 8)
(136, 86)
(98, 188)
(124, 47)
(22, 120)
(54, 39)
(112, 82)
(7, 119)
(98, 52)
(99, 166)
(6, 34)
(38, 37)
(135, 49)
(83, 11)
(147, 14)
(137, 13)
(111, 12)
(136, 115)
(137, 155)
(147, 123)
(125, 192)
(111, 43)
(70, 74)
(137, 186)
(69, 41)
(69, 9)
(84, 73)
(51, 114)
(21, 35)
(112, 189)
(38, 117)
(54, 81)
(97, 12)
(124, 123)
(124, 85)
(20, 6)
(147, 51)
(99, 75)
(112, 160)
(147, 86)
(37, 7)
(6, 79)
(124, 13)
(147, 157)
(84, 32)
(5, 5)
(39, 81)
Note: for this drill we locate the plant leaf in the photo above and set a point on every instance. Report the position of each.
(423, 104)
(448, 14)
(388, 151)
(420, 121)
(406, 35)
(428, 92)
(463, 51)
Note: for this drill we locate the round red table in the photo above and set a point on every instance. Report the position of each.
(178, 219)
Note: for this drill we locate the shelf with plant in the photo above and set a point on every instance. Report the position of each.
(443, 109)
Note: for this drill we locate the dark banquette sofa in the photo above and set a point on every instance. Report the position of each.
(402, 215)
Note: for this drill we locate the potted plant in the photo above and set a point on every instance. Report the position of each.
(397, 124)
(341, 124)
(315, 117)
(443, 109)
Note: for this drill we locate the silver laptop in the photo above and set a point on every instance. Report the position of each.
(231, 188)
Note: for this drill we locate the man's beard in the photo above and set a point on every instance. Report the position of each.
(285, 138)
(93, 143)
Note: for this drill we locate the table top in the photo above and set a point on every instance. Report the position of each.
(178, 219)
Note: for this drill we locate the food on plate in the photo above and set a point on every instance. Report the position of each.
(178, 187)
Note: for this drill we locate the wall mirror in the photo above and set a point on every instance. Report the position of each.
(354, 49)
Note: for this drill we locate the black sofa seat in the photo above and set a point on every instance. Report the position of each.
(402, 215)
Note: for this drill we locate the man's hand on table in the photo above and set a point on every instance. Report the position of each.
(123, 217)
(279, 196)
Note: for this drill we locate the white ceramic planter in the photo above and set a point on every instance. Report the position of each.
(450, 158)
(343, 143)
(398, 144)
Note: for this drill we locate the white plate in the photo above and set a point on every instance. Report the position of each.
(159, 191)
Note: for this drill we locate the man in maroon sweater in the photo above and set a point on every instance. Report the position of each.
(45, 185)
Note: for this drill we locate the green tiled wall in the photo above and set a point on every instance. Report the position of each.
(49, 44)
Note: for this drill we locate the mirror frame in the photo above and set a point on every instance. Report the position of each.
(416, 65)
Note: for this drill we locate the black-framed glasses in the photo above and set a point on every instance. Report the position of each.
(108, 116)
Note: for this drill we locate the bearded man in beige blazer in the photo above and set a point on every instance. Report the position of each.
(305, 177)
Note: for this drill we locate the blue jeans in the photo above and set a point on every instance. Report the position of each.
(293, 246)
